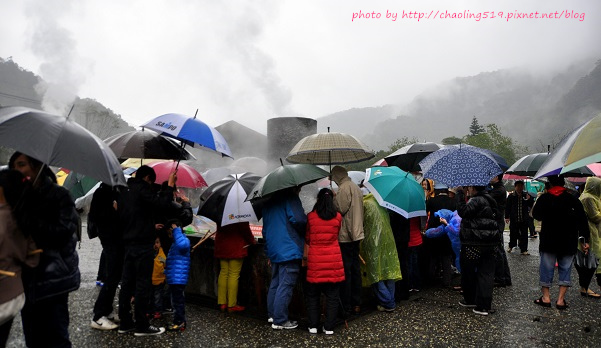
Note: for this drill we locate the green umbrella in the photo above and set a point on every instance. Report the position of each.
(396, 190)
(286, 176)
(79, 184)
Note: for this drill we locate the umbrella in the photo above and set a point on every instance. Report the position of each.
(186, 175)
(212, 175)
(329, 148)
(79, 184)
(463, 165)
(146, 144)
(396, 190)
(191, 131)
(286, 176)
(137, 162)
(57, 141)
(225, 201)
(528, 165)
(380, 163)
(577, 149)
(407, 157)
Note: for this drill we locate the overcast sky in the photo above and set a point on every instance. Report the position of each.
(253, 60)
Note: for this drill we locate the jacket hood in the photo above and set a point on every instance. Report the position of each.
(593, 187)
(445, 214)
(338, 173)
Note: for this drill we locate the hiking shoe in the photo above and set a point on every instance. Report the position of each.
(150, 331)
(176, 327)
(312, 330)
(327, 332)
(287, 325)
(525, 253)
(103, 324)
(236, 308)
(462, 303)
(384, 309)
(480, 311)
(124, 329)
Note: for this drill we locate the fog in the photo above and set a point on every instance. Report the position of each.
(249, 61)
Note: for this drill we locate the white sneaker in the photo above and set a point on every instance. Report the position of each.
(103, 324)
(327, 332)
(287, 325)
(114, 317)
(312, 330)
(480, 311)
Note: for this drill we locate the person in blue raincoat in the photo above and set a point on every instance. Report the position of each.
(450, 222)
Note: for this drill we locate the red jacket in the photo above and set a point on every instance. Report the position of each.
(324, 260)
(230, 241)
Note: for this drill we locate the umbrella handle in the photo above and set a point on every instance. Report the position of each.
(8, 273)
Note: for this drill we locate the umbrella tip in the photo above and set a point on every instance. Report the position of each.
(281, 162)
(328, 129)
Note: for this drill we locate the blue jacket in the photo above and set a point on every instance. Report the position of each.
(284, 223)
(178, 259)
(451, 230)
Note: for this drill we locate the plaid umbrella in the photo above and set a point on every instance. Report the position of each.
(329, 148)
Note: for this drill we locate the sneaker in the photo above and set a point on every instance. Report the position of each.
(462, 303)
(114, 317)
(287, 325)
(236, 308)
(327, 332)
(312, 330)
(223, 307)
(124, 330)
(270, 320)
(150, 331)
(176, 327)
(384, 309)
(525, 253)
(480, 311)
(167, 311)
(103, 324)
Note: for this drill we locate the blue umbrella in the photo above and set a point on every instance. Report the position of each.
(462, 165)
(396, 190)
(191, 131)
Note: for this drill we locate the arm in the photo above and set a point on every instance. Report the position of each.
(436, 232)
(180, 241)
(296, 215)
(343, 200)
(592, 210)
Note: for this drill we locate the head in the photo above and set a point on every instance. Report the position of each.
(324, 207)
(452, 192)
(147, 174)
(496, 179)
(445, 214)
(556, 180)
(426, 184)
(157, 244)
(338, 173)
(30, 167)
(440, 188)
(474, 190)
(12, 187)
(171, 225)
(593, 186)
(519, 186)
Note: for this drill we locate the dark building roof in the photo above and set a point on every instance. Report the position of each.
(243, 141)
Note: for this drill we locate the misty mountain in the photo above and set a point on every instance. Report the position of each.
(535, 109)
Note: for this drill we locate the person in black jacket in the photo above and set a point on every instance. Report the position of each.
(563, 220)
(479, 236)
(499, 194)
(53, 226)
(517, 215)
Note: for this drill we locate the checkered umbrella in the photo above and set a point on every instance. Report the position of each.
(329, 148)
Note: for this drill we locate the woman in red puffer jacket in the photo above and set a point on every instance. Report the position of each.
(325, 270)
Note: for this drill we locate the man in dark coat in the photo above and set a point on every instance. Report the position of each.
(516, 214)
(499, 194)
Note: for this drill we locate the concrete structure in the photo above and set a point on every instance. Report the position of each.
(283, 133)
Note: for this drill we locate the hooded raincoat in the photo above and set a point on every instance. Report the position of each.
(591, 201)
(349, 202)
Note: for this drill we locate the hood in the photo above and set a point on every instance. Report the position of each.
(338, 173)
(593, 187)
(445, 214)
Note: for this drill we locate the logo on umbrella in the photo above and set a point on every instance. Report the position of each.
(166, 125)
(377, 172)
(241, 216)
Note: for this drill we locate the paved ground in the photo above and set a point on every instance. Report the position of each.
(432, 318)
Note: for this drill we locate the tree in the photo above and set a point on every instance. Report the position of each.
(475, 127)
(492, 139)
(397, 144)
(451, 141)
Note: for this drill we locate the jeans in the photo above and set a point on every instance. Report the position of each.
(46, 322)
(313, 292)
(227, 284)
(113, 266)
(350, 291)
(158, 293)
(137, 282)
(547, 269)
(178, 301)
(478, 275)
(413, 274)
(283, 280)
(518, 235)
(384, 291)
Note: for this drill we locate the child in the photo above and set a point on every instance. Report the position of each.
(158, 278)
(178, 267)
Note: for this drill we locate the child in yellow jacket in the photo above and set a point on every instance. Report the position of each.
(158, 279)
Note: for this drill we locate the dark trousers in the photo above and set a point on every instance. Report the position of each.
(350, 291)
(4, 332)
(46, 322)
(413, 275)
(136, 281)
(478, 275)
(531, 227)
(502, 272)
(102, 271)
(401, 291)
(518, 235)
(178, 301)
(313, 293)
(585, 275)
(113, 265)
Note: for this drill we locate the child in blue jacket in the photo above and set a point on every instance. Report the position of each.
(450, 224)
(176, 270)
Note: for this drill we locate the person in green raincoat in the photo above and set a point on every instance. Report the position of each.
(591, 201)
(378, 250)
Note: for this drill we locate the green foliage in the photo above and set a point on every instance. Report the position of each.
(397, 144)
(475, 127)
(451, 141)
(493, 139)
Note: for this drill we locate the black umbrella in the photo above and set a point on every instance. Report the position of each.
(225, 201)
(408, 157)
(146, 144)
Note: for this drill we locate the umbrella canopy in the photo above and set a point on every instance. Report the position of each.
(396, 190)
(576, 150)
(286, 176)
(408, 157)
(225, 201)
(186, 175)
(190, 130)
(137, 162)
(329, 148)
(212, 175)
(78, 184)
(463, 165)
(528, 165)
(146, 144)
(57, 141)
(380, 163)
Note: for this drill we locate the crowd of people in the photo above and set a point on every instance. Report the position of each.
(146, 252)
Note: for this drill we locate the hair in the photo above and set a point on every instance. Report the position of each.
(324, 207)
(16, 187)
(35, 164)
(556, 180)
(427, 184)
(176, 222)
(518, 182)
(479, 188)
(145, 171)
(500, 177)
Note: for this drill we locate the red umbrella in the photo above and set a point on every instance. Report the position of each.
(186, 175)
(380, 163)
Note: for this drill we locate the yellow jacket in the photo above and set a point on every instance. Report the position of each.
(158, 272)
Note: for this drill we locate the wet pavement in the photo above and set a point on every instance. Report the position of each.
(430, 318)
